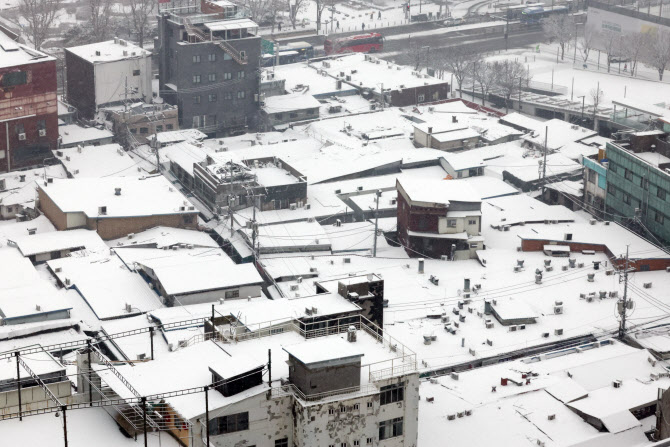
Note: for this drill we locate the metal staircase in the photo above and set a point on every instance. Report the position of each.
(197, 35)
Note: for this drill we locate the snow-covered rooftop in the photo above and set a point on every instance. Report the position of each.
(109, 51)
(439, 191)
(14, 54)
(72, 134)
(290, 103)
(98, 161)
(77, 239)
(23, 193)
(559, 134)
(159, 237)
(139, 196)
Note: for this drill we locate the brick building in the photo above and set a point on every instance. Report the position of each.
(438, 218)
(28, 106)
(115, 206)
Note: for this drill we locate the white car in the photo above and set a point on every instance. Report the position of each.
(454, 21)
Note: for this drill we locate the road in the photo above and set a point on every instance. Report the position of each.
(483, 43)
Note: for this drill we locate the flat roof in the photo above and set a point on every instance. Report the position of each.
(139, 196)
(59, 240)
(211, 275)
(109, 51)
(325, 349)
(439, 191)
(73, 134)
(13, 54)
(226, 25)
(98, 161)
(290, 102)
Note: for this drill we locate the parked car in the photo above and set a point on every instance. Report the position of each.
(454, 21)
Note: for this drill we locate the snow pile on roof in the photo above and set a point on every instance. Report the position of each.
(323, 350)
(138, 197)
(293, 236)
(177, 136)
(109, 51)
(78, 239)
(97, 161)
(439, 191)
(33, 299)
(522, 121)
(185, 154)
(289, 103)
(464, 160)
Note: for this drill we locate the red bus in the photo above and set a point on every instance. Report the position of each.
(364, 43)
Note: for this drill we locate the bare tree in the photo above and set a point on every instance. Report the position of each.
(585, 43)
(487, 77)
(101, 14)
(294, 7)
(458, 61)
(40, 15)
(510, 77)
(611, 44)
(320, 7)
(659, 51)
(140, 11)
(633, 46)
(419, 55)
(560, 28)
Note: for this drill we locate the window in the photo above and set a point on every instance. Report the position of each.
(331, 411)
(357, 442)
(144, 130)
(281, 442)
(591, 176)
(227, 76)
(472, 221)
(211, 57)
(240, 94)
(390, 429)
(196, 99)
(421, 98)
(229, 424)
(392, 393)
(626, 199)
(233, 293)
(473, 245)
(243, 54)
(629, 175)
(227, 57)
(279, 116)
(369, 404)
(343, 409)
(228, 95)
(357, 406)
(659, 217)
(211, 98)
(369, 441)
(610, 189)
(293, 115)
(451, 223)
(169, 126)
(644, 183)
(459, 174)
(20, 129)
(196, 79)
(188, 219)
(196, 59)
(343, 444)
(311, 111)
(240, 74)
(196, 121)
(133, 130)
(660, 193)
(211, 77)
(14, 78)
(159, 128)
(136, 72)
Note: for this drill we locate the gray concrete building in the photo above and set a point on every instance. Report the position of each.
(209, 68)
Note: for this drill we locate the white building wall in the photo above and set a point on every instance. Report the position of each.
(75, 220)
(214, 295)
(599, 20)
(111, 77)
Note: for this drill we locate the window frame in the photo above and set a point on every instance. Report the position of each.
(393, 393)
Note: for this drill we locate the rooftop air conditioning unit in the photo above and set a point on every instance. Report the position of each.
(22, 137)
(42, 132)
(294, 206)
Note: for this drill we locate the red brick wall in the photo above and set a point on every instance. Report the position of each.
(654, 264)
(112, 228)
(53, 213)
(36, 97)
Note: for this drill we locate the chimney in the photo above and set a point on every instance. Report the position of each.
(466, 285)
(117, 191)
(351, 334)
(116, 40)
(430, 130)
(454, 119)
(421, 261)
(487, 307)
(97, 53)
(22, 178)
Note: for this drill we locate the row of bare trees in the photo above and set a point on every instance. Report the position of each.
(649, 48)
(40, 17)
(506, 77)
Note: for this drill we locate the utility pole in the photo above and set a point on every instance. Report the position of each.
(64, 408)
(623, 305)
(18, 382)
(374, 248)
(231, 201)
(254, 225)
(144, 420)
(207, 413)
(544, 161)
